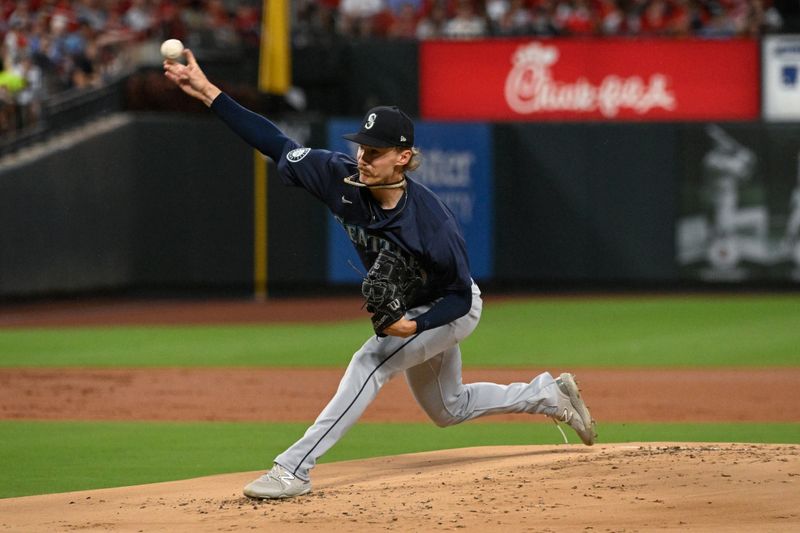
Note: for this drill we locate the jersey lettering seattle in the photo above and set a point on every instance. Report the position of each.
(367, 242)
(364, 240)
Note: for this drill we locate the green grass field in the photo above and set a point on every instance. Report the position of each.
(710, 331)
(654, 331)
(43, 457)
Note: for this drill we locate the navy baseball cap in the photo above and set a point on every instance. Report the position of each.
(384, 127)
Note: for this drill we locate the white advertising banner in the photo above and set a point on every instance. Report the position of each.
(781, 77)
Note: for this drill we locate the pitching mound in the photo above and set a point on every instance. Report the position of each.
(678, 486)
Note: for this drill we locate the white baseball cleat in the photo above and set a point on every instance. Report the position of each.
(572, 411)
(277, 483)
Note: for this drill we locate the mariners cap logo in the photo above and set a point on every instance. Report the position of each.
(384, 127)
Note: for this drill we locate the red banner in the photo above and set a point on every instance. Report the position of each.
(590, 80)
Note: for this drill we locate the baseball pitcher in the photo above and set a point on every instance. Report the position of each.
(418, 286)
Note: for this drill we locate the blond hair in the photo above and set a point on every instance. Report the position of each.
(415, 161)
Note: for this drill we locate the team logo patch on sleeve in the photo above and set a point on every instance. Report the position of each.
(297, 154)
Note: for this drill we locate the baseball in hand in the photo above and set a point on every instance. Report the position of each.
(172, 49)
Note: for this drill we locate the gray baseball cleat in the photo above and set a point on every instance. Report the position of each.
(277, 483)
(572, 410)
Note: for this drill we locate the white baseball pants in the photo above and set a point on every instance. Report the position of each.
(431, 361)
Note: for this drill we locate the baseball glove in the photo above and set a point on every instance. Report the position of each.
(389, 287)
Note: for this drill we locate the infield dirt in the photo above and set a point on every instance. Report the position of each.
(220, 394)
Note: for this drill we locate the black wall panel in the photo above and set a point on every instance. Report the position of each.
(584, 202)
(193, 192)
(66, 221)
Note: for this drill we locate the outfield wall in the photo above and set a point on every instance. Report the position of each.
(166, 202)
(157, 202)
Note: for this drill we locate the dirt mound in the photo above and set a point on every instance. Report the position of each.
(630, 487)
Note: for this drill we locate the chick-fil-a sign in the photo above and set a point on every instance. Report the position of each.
(590, 80)
(531, 88)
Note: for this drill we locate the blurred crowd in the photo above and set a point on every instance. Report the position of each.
(471, 19)
(48, 46)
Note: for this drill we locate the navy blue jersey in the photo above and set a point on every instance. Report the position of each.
(420, 227)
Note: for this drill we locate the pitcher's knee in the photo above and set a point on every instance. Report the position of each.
(444, 420)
